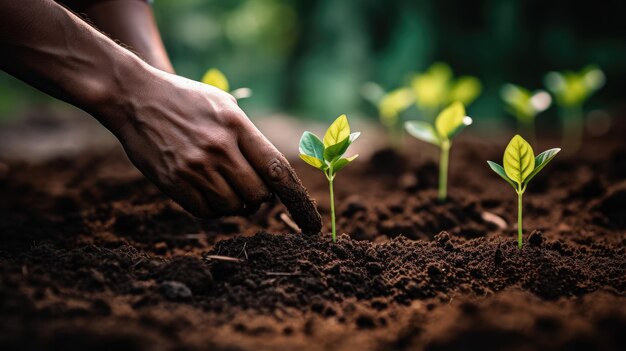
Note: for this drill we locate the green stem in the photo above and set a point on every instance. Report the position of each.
(396, 136)
(572, 118)
(519, 219)
(332, 208)
(443, 170)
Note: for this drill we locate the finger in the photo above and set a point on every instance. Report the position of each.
(244, 180)
(278, 174)
(218, 194)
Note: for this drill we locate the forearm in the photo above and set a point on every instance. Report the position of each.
(52, 49)
(132, 23)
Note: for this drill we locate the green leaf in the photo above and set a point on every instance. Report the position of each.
(334, 151)
(593, 77)
(311, 145)
(393, 103)
(354, 136)
(450, 120)
(337, 132)
(500, 171)
(541, 161)
(339, 164)
(422, 131)
(466, 89)
(317, 163)
(519, 160)
(216, 78)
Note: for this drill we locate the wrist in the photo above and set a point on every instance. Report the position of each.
(114, 99)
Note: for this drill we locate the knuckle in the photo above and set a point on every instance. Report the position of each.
(219, 145)
(232, 119)
(192, 161)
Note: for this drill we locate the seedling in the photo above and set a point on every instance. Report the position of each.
(436, 88)
(571, 90)
(390, 105)
(327, 155)
(216, 78)
(449, 123)
(520, 166)
(525, 105)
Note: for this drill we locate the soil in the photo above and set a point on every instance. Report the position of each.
(93, 256)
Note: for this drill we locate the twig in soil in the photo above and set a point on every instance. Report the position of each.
(243, 249)
(289, 222)
(494, 219)
(224, 258)
(284, 274)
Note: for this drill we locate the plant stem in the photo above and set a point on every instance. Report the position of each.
(572, 118)
(519, 219)
(332, 208)
(443, 170)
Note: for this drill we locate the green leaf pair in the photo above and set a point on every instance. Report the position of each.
(437, 87)
(522, 103)
(327, 155)
(520, 163)
(216, 78)
(520, 167)
(573, 88)
(449, 123)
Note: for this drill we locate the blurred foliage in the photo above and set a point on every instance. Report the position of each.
(311, 58)
(522, 103)
(574, 88)
(437, 87)
(216, 78)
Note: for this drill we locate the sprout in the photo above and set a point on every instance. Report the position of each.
(437, 87)
(390, 105)
(520, 166)
(571, 90)
(217, 79)
(525, 105)
(450, 122)
(327, 155)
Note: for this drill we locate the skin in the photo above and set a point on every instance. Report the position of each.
(192, 140)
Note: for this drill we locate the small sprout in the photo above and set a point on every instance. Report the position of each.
(390, 105)
(437, 87)
(525, 105)
(327, 155)
(450, 122)
(520, 166)
(571, 90)
(216, 78)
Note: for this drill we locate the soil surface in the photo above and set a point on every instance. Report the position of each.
(94, 257)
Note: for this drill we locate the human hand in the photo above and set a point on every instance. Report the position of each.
(195, 143)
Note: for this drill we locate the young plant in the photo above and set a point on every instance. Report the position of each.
(525, 105)
(216, 78)
(390, 105)
(437, 87)
(571, 90)
(327, 155)
(520, 166)
(450, 122)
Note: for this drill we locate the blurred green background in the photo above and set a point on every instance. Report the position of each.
(310, 58)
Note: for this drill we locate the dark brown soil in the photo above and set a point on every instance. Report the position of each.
(93, 257)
